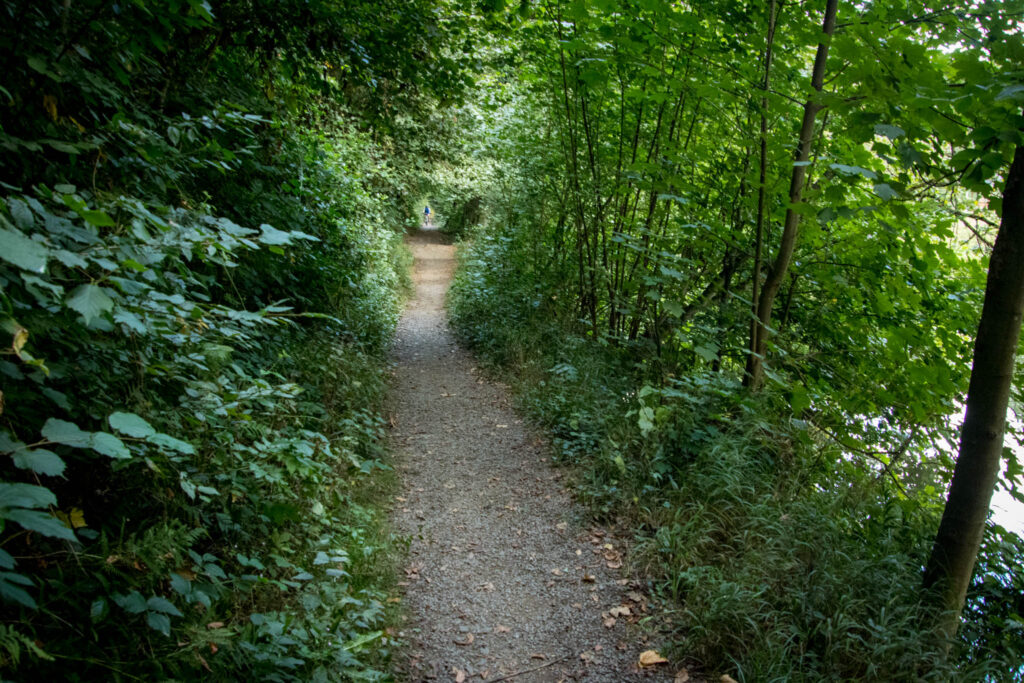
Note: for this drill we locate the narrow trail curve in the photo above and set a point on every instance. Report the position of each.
(502, 579)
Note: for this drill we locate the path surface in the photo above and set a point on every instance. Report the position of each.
(502, 578)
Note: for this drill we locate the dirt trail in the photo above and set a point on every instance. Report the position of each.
(502, 578)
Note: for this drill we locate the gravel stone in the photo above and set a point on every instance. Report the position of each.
(502, 575)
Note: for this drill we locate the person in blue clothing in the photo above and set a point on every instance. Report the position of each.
(426, 215)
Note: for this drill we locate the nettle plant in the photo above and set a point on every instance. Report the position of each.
(153, 476)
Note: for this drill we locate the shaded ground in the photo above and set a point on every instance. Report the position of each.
(502, 578)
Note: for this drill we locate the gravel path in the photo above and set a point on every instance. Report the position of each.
(502, 579)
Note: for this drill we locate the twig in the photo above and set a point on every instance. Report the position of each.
(527, 671)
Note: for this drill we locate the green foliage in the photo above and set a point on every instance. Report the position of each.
(613, 276)
(201, 270)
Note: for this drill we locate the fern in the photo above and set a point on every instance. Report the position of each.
(14, 644)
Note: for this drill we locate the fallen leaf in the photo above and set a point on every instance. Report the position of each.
(502, 629)
(538, 656)
(468, 641)
(562, 526)
(651, 658)
(726, 678)
(617, 564)
(682, 676)
(487, 586)
(589, 578)
(609, 622)
(634, 596)
(622, 611)
(460, 676)
(556, 572)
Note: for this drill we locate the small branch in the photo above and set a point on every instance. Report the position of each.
(527, 671)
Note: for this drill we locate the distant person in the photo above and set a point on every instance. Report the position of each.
(426, 216)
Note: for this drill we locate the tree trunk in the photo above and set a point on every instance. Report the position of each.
(762, 174)
(981, 437)
(759, 332)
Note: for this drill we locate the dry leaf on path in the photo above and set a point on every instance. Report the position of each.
(538, 656)
(460, 676)
(609, 622)
(622, 611)
(651, 658)
(682, 676)
(468, 641)
(502, 629)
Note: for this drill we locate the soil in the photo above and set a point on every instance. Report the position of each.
(504, 580)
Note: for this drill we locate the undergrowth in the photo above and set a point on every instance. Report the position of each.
(777, 559)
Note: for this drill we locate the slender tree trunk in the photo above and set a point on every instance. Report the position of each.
(762, 175)
(981, 438)
(759, 338)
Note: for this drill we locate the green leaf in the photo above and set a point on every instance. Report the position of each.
(129, 319)
(132, 603)
(159, 622)
(68, 433)
(130, 424)
(12, 593)
(1011, 91)
(98, 609)
(885, 191)
(672, 308)
(273, 236)
(109, 445)
(854, 170)
(22, 215)
(6, 560)
(158, 604)
(172, 443)
(19, 250)
(91, 301)
(25, 496)
(799, 401)
(708, 353)
(180, 584)
(70, 259)
(39, 461)
(40, 522)
(889, 131)
(98, 218)
(359, 642)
